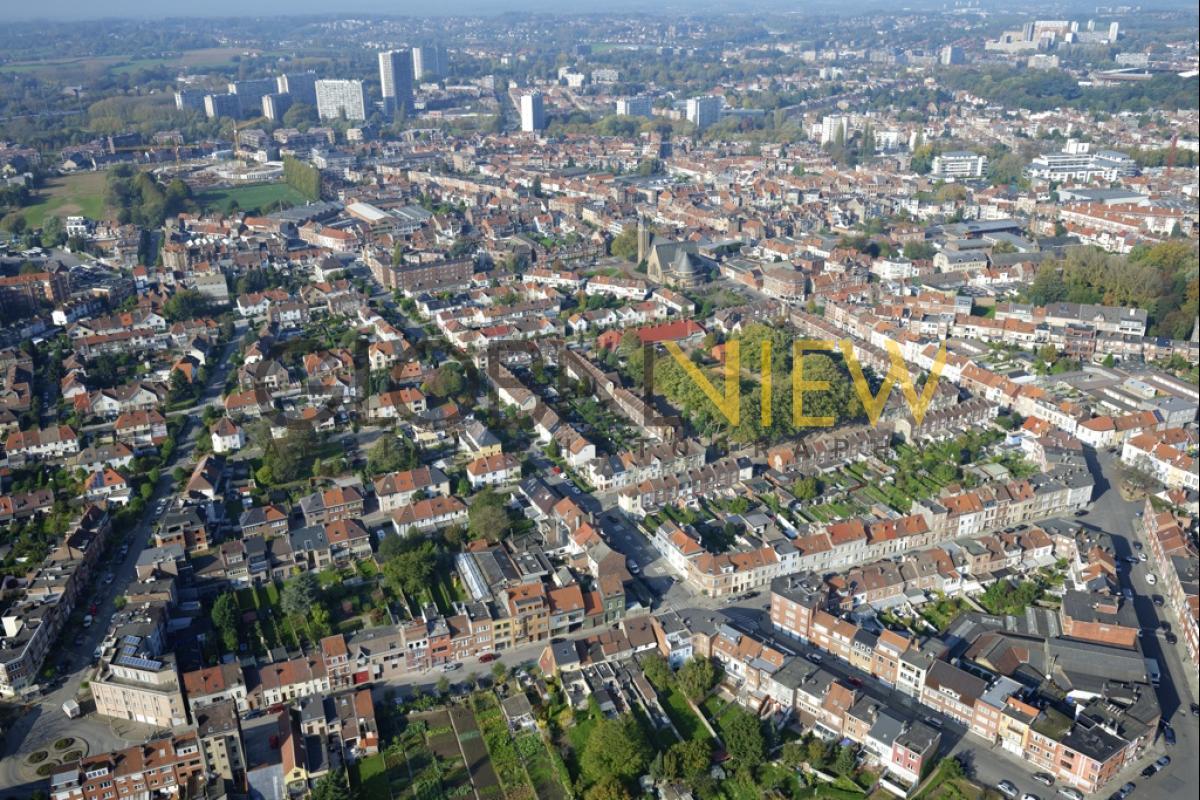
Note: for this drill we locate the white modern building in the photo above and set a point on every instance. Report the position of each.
(428, 62)
(703, 111)
(396, 79)
(960, 164)
(341, 98)
(533, 112)
(634, 106)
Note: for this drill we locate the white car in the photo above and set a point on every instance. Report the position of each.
(1150, 579)
(1070, 794)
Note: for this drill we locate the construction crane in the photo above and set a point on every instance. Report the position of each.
(237, 133)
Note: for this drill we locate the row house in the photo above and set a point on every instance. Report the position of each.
(141, 430)
(709, 480)
(494, 470)
(429, 514)
(329, 505)
(1165, 455)
(283, 682)
(397, 489)
(42, 444)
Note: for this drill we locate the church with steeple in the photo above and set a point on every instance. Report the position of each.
(676, 264)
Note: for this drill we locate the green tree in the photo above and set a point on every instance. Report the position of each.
(918, 251)
(14, 223)
(410, 571)
(818, 752)
(186, 304)
(487, 517)
(392, 453)
(303, 177)
(53, 232)
(332, 786)
(446, 381)
(744, 737)
(657, 671)
(697, 677)
(608, 788)
(807, 488)
(616, 748)
(846, 761)
(624, 245)
(225, 618)
(300, 594)
(688, 759)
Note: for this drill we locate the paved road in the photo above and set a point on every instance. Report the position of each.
(44, 721)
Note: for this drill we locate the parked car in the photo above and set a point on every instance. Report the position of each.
(1150, 579)
(1171, 638)
(1028, 796)
(486, 657)
(1158, 600)
(453, 665)
(1126, 790)
(1163, 762)
(1195, 709)
(1168, 734)
(1007, 789)
(1070, 793)
(1044, 778)
(1149, 771)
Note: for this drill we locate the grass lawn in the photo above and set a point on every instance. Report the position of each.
(370, 776)
(248, 197)
(682, 716)
(79, 194)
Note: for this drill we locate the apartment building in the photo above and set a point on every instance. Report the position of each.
(172, 766)
(140, 685)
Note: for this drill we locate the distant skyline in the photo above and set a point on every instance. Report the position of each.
(66, 10)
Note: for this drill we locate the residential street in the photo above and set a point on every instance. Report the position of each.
(44, 721)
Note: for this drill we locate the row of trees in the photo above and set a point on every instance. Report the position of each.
(1162, 279)
(140, 199)
(303, 177)
(672, 380)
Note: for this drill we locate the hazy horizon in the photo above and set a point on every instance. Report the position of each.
(79, 10)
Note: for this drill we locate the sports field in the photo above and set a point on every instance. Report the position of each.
(79, 194)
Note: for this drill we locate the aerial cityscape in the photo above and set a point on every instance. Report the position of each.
(600, 402)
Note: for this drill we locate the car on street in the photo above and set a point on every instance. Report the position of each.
(1007, 789)
(1171, 638)
(1158, 600)
(1044, 779)
(1150, 579)
(1128, 593)
(1028, 796)
(1141, 556)
(486, 657)
(1163, 762)
(1195, 709)
(1137, 545)
(108, 578)
(1126, 790)
(453, 665)
(1070, 794)
(633, 566)
(1168, 734)
(1150, 771)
